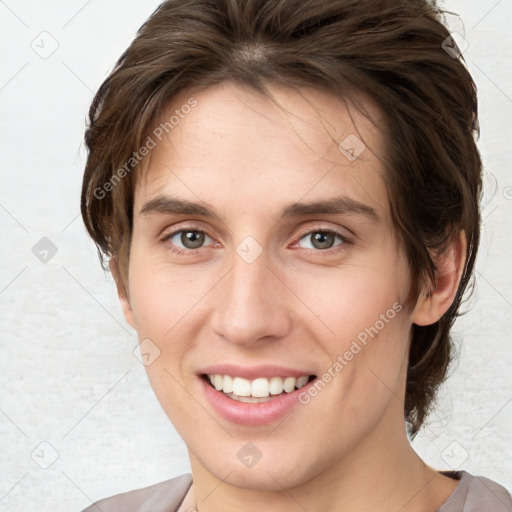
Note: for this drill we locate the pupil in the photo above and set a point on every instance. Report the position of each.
(192, 239)
(323, 240)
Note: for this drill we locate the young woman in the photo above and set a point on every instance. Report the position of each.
(287, 194)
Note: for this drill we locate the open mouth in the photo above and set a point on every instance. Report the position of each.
(258, 390)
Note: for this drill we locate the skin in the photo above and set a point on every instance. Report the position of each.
(296, 304)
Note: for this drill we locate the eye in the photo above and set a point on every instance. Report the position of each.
(321, 239)
(189, 239)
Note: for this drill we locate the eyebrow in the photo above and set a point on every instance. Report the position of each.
(340, 205)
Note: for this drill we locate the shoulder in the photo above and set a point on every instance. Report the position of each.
(477, 493)
(162, 497)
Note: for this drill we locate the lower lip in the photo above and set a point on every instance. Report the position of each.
(251, 414)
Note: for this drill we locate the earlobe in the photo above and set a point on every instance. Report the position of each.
(122, 293)
(430, 307)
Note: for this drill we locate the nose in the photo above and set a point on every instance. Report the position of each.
(251, 304)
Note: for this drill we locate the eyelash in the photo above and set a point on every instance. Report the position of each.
(344, 240)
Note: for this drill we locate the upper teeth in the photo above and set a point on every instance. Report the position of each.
(260, 387)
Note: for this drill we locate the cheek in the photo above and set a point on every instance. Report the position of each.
(353, 298)
(161, 296)
(363, 307)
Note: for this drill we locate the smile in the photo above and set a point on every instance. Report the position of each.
(258, 390)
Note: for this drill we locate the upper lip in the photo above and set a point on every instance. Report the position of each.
(252, 372)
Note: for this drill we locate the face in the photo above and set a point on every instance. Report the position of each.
(264, 256)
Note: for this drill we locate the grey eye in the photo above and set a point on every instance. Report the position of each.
(189, 239)
(321, 240)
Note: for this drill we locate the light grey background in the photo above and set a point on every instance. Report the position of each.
(68, 376)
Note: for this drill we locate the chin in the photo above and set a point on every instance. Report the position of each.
(262, 478)
(270, 473)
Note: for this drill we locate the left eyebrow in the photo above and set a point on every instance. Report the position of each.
(340, 205)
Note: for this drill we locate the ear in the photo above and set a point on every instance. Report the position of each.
(122, 292)
(433, 304)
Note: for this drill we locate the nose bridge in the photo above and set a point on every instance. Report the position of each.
(249, 305)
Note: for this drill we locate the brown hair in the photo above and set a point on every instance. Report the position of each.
(391, 51)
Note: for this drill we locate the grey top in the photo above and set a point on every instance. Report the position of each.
(473, 494)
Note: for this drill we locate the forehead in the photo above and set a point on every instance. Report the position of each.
(301, 141)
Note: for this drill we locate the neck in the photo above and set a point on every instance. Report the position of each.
(385, 479)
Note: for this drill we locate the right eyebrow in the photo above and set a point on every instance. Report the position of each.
(172, 205)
